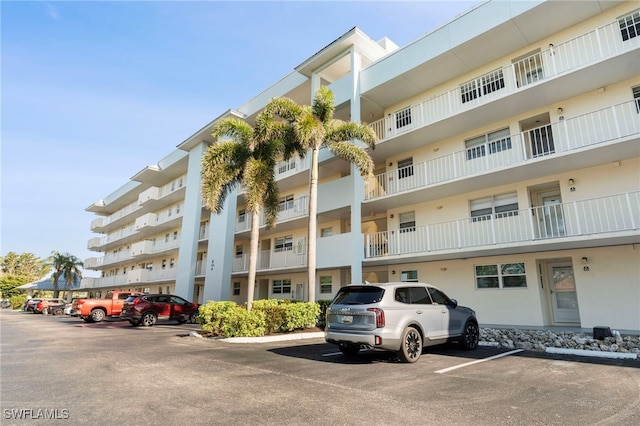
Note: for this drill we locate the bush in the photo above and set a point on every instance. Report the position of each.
(227, 319)
(17, 301)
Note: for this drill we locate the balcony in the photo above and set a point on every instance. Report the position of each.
(167, 219)
(616, 123)
(548, 64)
(119, 218)
(269, 259)
(108, 259)
(139, 276)
(287, 211)
(154, 197)
(118, 237)
(150, 247)
(614, 219)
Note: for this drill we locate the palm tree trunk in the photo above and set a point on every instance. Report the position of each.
(253, 257)
(313, 225)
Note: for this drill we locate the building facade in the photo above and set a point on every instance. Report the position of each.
(507, 174)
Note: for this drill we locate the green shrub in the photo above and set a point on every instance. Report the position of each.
(227, 319)
(17, 301)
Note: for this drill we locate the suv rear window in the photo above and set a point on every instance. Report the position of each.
(358, 295)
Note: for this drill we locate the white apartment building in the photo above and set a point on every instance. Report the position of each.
(507, 174)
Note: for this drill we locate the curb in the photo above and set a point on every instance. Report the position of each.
(595, 354)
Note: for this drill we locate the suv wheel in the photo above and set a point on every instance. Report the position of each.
(193, 318)
(148, 319)
(411, 348)
(349, 350)
(470, 335)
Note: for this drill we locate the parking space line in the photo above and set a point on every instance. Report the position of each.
(446, 370)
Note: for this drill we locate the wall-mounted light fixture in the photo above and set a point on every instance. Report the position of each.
(443, 269)
(571, 181)
(393, 272)
(390, 164)
(585, 260)
(560, 110)
(572, 188)
(439, 207)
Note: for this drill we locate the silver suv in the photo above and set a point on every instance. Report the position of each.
(401, 317)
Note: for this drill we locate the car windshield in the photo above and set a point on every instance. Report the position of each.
(358, 295)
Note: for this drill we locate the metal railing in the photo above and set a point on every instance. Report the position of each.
(268, 259)
(299, 207)
(616, 213)
(600, 126)
(551, 62)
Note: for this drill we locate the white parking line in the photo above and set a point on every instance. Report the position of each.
(446, 370)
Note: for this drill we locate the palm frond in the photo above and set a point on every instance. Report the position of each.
(323, 104)
(353, 154)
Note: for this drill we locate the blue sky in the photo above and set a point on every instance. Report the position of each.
(93, 92)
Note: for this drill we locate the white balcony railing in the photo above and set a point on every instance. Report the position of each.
(299, 207)
(600, 126)
(269, 259)
(617, 213)
(587, 48)
(104, 221)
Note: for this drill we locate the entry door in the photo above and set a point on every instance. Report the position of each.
(564, 297)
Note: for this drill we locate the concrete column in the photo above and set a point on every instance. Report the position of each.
(190, 232)
(220, 252)
(358, 182)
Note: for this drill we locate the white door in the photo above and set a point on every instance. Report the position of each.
(564, 297)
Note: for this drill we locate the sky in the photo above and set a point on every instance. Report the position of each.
(92, 92)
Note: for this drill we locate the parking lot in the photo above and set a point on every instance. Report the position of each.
(63, 370)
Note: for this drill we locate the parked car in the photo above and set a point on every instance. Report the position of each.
(147, 309)
(401, 317)
(42, 307)
(56, 308)
(30, 304)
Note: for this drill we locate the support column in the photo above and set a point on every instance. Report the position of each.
(358, 182)
(190, 232)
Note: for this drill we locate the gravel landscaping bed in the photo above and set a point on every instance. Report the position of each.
(539, 340)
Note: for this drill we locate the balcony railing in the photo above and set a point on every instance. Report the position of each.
(269, 259)
(587, 48)
(287, 211)
(617, 213)
(600, 126)
(104, 221)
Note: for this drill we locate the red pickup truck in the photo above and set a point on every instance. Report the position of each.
(95, 310)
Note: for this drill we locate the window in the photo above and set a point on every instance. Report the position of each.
(175, 235)
(439, 297)
(409, 276)
(507, 275)
(169, 211)
(498, 206)
(241, 216)
(281, 286)
(164, 263)
(171, 263)
(239, 250)
(166, 238)
(493, 142)
(326, 284)
(326, 232)
(403, 118)
(405, 168)
(236, 289)
(407, 222)
(178, 209)
(419, 296)
(630, 25)
(285, 203)
(284, 243)
(636, 97)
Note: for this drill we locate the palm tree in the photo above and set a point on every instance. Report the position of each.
(246, 157)
(67, 267)
(312, 128)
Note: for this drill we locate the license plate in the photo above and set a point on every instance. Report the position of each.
(346, 319)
